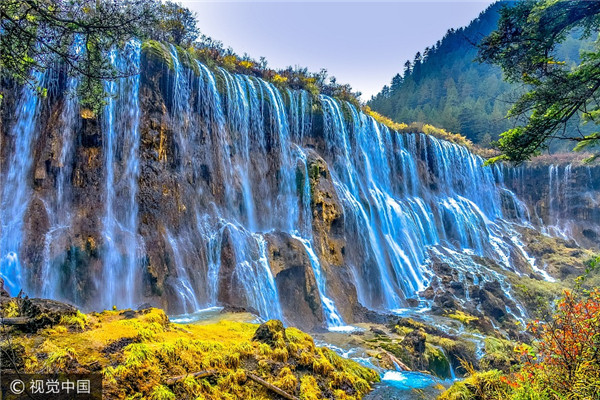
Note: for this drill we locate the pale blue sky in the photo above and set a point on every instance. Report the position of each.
(361, 43)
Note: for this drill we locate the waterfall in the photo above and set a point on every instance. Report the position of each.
(15, 185)
(396, 216)
(250, 134)
(183, 283)
(232, 168)
(332, 316)
(236, 130)
(121, 142)
(253, 273)
(129, 220)
(60, 205)
(558, 200)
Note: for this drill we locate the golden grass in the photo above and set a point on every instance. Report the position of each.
(137, 356)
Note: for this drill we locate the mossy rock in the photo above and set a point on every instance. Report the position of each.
(187, 60)
(482, 385)
(399, 351)
(499, 354)
(458, 350)
(156, 50)
(42, 313)
(437, 362)
(272, 333)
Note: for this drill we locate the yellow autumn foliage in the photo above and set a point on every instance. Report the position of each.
(278, 79)
(246, 64)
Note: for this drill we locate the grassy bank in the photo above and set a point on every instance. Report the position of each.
(142, 355)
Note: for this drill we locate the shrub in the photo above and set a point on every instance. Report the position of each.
(562, 363)
(566, 357)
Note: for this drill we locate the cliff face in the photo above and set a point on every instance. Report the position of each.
(563, 200)
(198, 238)
(198, 187)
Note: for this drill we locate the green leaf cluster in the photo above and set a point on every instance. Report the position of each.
(557, 93)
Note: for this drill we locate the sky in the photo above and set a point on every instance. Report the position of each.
(361, 43)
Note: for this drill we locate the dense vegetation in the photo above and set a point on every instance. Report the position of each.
(558, 92)
(37, 34)
(445, 86)
(563, 361)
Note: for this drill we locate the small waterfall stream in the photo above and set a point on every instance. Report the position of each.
(121, 143)
(15, 188)
(59, 205)
(332, 316)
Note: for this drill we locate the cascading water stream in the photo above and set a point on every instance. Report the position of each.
(183, 285)
(121, 142)
(403, 216)
(132, 172)
(231, 143)
(60, 210)
(559, 195)
(253, 115)
(332, 316)
(15, 188)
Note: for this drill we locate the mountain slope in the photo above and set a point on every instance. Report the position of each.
(446, 87)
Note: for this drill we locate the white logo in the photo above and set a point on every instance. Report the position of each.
(17, 386)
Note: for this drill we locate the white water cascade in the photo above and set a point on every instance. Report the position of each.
(198, 175)
(121, 120)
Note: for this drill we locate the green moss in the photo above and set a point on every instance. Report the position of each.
(410, 323)
(309, 389)
(499, 354)
(314, 171)
(187, 60)
(402, 330)
(482, 386)
(399, 351)
(349, 366)
(561, 258)
(437, 362)
(457, 349)
(161, 392)
(10, 309)
(537, 296)
(78, 321)
(300, 181)
(322, 366)
(60, 359)
(158, 51)
(286, 380)
(462, 317)
(346, 111)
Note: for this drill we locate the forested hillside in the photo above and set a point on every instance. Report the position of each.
(445, 86)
